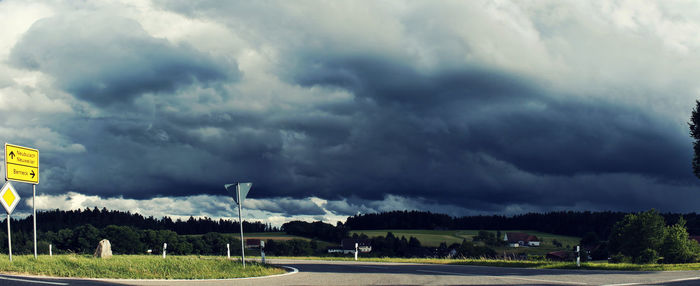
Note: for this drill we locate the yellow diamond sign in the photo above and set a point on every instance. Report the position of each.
(9, 198)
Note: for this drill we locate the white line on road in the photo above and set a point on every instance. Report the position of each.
(504, 277)
(658, 282)
(32, 281)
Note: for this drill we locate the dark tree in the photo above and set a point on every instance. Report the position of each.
(694, 125)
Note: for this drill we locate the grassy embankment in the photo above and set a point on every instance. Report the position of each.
(134, 267)
(433, 238)
(520, 263)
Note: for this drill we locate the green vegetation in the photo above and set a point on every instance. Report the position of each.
(134, 267)
(433, 238)
(539, 264)
(644, 238)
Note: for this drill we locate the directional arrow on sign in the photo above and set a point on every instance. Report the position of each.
(12, 155)
(32, 173)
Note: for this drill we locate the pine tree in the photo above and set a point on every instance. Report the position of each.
(694, 126)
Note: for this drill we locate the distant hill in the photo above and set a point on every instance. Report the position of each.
(562, 223)
(55, 220)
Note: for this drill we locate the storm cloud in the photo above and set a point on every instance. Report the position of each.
(105, 59)
(336, 108)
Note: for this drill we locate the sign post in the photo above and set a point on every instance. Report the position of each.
(22, 165)
(241, 192)
(9, 200)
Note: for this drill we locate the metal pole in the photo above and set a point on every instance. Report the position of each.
(238, 193)
(34, 210)
(9, 238)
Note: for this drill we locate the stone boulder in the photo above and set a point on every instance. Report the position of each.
(104, 249)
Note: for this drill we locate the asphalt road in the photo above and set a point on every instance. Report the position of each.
(368, 273)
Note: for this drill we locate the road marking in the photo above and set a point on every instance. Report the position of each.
(292, 271)
(503, 277)
(657, 282)
(32, 281)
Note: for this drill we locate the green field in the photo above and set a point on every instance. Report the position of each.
(433, 238)
(134, 267)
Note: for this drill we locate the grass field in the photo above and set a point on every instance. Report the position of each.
(134, 267)
(433, 238)
(279, 236)
(521, 263)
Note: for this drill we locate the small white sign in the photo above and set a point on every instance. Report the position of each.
(9, 198)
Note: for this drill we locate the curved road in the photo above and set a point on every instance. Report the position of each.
(369, 273)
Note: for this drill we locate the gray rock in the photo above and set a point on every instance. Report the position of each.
(104, 249)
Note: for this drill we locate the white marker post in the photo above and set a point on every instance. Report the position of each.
(165, 246)
(578, 256)
(262, 250)
(50, 253)
(228, 251)
(356, 249)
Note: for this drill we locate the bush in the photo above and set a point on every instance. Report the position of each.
(677, 248)
(647, 256)
(618, 258)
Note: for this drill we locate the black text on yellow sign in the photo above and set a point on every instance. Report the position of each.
(21, 164)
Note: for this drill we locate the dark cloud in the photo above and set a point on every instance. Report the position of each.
(105, 59)
(286, 206)
(400, 117)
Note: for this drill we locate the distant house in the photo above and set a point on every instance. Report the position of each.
(560, 255)
(517, 239)
(347, 246)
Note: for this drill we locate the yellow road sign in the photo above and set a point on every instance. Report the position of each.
(21, 164)
(9, 198)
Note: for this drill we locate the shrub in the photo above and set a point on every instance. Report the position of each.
(647, 256)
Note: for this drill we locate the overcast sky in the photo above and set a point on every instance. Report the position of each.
(333, 108)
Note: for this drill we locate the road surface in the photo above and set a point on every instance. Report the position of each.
(369, 273)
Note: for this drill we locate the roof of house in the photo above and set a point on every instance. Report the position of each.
(520, 236)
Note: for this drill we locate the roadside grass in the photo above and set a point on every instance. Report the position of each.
(540, 264)
(134, 267)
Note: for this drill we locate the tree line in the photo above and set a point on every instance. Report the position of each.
(55, 220)
(563, 223)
